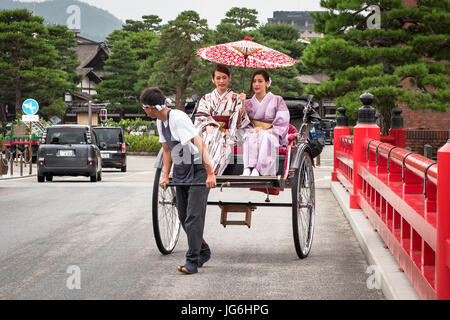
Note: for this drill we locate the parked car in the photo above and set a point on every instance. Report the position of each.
(69, 150)
(327, 126)
(113, 147)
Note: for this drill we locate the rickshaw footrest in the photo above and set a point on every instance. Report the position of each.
(245, 208)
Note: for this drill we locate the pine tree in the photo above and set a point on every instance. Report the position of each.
(409, 49)
(242, 18)
(178, 63)
(237, 24)
(142, 38)
(148, 23)
(63, 41)
(28, 61)
(283, 37)
(117, 86)
(66, 60)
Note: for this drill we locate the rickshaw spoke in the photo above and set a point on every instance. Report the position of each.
(168, 220)
(304, 211)
(165, 216)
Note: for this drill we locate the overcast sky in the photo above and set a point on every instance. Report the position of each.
(213, 11)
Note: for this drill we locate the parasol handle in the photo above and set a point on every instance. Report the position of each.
(243, 73)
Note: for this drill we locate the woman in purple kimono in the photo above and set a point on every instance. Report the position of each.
(269, 128)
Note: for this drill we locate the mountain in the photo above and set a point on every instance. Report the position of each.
(96, 23)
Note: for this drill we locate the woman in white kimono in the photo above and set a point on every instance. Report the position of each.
(269, 128)
(218, 117)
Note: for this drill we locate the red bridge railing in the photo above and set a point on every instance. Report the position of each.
(405, 196)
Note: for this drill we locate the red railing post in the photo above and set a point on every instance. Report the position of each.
(341, 129)
(399, 136)
(365, 130)
(397, 132)
(443, 224)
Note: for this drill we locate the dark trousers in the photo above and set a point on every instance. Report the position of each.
(191, 205)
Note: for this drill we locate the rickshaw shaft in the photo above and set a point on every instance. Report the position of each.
(258, 204)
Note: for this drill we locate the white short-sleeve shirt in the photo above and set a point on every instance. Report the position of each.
(181, 128)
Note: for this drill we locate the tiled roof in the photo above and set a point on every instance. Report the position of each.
(313, 78)
(86, 52)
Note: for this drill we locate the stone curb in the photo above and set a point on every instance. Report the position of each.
(147, 154)
(394, 283)
(8, 177)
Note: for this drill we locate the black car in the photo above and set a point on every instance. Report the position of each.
(327, 126)
(69, 150)
(113, 147)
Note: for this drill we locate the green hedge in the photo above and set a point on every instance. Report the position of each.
(142, 143)
(132, 125)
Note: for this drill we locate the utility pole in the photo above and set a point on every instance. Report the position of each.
(90, 114)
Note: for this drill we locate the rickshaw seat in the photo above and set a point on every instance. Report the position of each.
(282, 151)
(292, 134)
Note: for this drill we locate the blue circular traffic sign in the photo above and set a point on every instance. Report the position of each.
(30, 106)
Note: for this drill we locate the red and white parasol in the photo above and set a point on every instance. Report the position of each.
(246, 53)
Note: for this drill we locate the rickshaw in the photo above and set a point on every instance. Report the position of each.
(295, 172)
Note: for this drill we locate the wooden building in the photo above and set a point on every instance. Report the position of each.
(92, 56)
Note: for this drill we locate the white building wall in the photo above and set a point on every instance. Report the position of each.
(87, 86)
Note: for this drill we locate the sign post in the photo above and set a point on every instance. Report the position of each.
(30, 107)
(30, 149)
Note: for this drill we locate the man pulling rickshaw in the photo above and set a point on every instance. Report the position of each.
(276, 156)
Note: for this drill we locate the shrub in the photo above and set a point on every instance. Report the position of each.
(134, 127)
(142, 143)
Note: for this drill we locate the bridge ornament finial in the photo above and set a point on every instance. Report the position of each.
(397, 119)
(341, 119)
(366, 114)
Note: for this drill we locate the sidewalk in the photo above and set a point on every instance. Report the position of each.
(16, 176)
(16, 173)
(394, 283)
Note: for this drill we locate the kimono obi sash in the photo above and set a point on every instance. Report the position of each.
(263, 123)
(222, 121)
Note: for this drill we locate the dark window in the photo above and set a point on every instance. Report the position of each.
(109, 136)
(66, 136)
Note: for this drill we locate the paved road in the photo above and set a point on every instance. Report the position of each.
(104, 230)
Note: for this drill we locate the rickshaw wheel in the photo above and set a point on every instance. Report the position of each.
(166, 225)
(303, 206)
